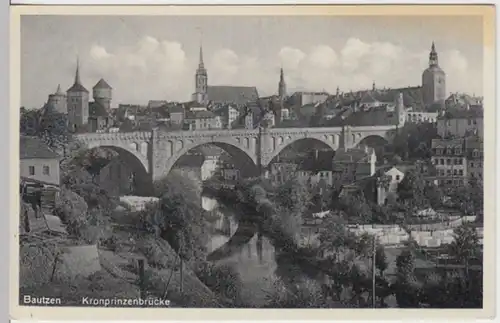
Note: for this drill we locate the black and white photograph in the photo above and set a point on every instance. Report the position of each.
(252, 161)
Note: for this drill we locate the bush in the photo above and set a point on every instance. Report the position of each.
(306, 294)
(156, 257)
(90, 226)
(223, 280)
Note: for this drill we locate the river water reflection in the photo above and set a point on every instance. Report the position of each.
(256, 272)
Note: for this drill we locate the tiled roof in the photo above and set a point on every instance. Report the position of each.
(317, 161)
(190, 160)
(177, 109)
(232, 94)
(32, 147)
(97, 110)
(77, 87)
(473, 143)
(199, 115)
(102, 84)
(354, 155)
(152, 104)
(473, 112)
(444, 143)
(374, 117)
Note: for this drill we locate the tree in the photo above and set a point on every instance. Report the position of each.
(178, 217)
(292, 200)
(411, 189)
(406, 287)
(433, 195)
(47, 124)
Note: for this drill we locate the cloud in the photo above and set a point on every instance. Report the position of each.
(161, 69)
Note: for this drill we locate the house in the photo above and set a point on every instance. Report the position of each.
(386, 183)
(99, 118)
(421, 116)
(177, 114)
(308, 98)
(449, 158)
(228, 114)
(461, 122)
(38, 161)
(352, 164)
(462, 101)
(475, 157)
(281, 172)
(200, 120)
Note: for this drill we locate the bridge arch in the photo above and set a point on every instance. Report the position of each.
(134, 160)
(331, 142)
(244, 159)
(376, 142)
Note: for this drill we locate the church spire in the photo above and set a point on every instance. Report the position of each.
(201, 64)
(77, 86)
(433, 56)
(77, 74)
(282, 84)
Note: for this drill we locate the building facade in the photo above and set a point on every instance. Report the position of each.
(459, 123)
(38, 162)
(349, 165)
(450, 161)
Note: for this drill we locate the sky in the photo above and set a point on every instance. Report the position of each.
(155, 57)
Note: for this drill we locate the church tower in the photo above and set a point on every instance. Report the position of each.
(77, 98)
(433, 80)
(282, 85)
(201, 81)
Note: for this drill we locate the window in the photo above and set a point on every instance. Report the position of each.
(46, 170)
(469, 122)
(448, 161)
(471, 164)
(448, 172)
(397, 177)
(474, 121)
(32, 170)
(461, 172)
(475, 153)
(442, 161)
(458, 151)
(455, 172)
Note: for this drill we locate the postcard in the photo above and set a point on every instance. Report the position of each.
(285, 161)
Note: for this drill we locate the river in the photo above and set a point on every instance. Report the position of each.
(256, 273)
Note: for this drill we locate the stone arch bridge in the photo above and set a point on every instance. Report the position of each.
(153, 153)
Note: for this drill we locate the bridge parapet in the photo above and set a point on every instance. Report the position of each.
(118, 136)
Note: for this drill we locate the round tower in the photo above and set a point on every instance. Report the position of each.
(102, 93)
(58, 101)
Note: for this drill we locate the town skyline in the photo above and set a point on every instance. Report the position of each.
(151, 65)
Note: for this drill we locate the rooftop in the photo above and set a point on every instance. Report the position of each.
(32, 147)
(355, 155)
(232, 94)
(472, 112)
(102, 84)
(199, 115)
